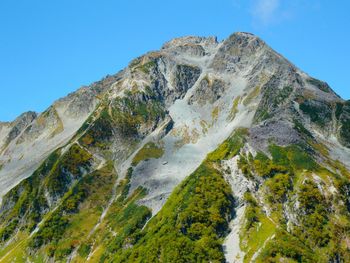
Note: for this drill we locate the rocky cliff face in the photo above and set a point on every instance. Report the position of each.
(200, 152)
(26, 142)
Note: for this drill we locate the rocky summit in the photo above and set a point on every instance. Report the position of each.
(203, 151)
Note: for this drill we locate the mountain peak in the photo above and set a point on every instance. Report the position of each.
(243, 39)
(190, 40)
(31, 115)
(235, 38)
(221, 144)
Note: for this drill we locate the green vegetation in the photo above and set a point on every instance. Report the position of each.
(344, 131)
(342, 114)
(289, 176)
(302, 130)
(130, 116)
(84, 250)
(261, 165)
(285, 246)
(148, 151)
(191, 225)
(320, 114)
(267, 168)
(135, 62)
(215, 114)
(87, 122)
(251, 96)
(262, 114)
(24, 205)
(319, 84)
(76, 215)
(271, 100)
(146, 67)
(52, 230)
(28, 200)
(129, 222)
(252, 210)
(293, 156)
(8, 230)
(258, 229)
(281, 96)
(99, 132)
(73, 164)
(278, 187)
(339, 106)
(74, 159)
(122, 226)
(230, 147)
(234, 109)
(76, 212)
(129, 113)
(314, 229)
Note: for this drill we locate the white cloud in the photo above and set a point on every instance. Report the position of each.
(265, 11)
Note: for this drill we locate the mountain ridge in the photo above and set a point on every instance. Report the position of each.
(186, 39)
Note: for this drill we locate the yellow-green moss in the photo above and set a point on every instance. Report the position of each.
(251, 96)
(258, 229)
(215, 113)
(234, 109)
(229, 147)
(149, 151)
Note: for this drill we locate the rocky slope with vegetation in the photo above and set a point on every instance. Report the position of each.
(203, 151)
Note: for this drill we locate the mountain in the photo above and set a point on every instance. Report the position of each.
(203, 151)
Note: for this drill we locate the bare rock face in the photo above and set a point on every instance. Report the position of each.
(30, 139)
(20, 124)
(209, 91)
(184, 78)
(236, 51)
(190, 41)
(342, 113)
(280, 132)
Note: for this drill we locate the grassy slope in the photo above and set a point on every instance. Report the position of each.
(148, 151)
(289, 181)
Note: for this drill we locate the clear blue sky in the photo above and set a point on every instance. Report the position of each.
(50, 48)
